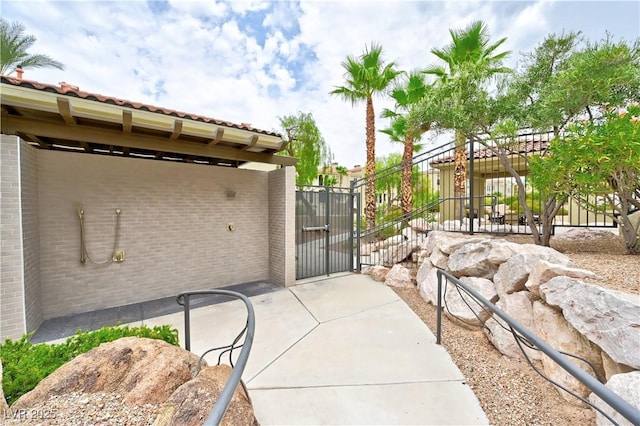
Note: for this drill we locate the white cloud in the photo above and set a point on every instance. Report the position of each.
(254, 61)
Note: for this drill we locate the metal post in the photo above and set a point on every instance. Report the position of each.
(439, 311)
(187, 326)
(471, 182)
(358, 226)
(327, 232)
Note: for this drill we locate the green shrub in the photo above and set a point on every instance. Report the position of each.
(25, 364)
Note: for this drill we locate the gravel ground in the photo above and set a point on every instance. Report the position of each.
(510, 391)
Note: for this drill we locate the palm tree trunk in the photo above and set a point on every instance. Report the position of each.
(460, 174)
(370, 168)
(405, 186)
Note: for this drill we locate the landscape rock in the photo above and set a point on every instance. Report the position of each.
(192, 402)
(462, 307)
(627, 386)
(409, 234)
(608, 318)
(422, 256)
(139, 373)
(518, 306)
(399, 276)
(544, 270)
(611, 367)
(439, 259)
(366, 249)
(419, 224)
(428, 287)
(513, 274)
(501, 251)
(552, 328)
(581, 234)
(423, 270)
(143, 371)
(471, 260)
(378, 273)
(398, 253)
(392, 241)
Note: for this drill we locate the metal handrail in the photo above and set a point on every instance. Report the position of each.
(220, 408)
(627, 410)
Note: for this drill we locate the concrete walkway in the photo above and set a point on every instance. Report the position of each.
(338, 350)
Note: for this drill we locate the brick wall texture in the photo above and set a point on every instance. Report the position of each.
(30, 235)
(12, 322)
(282, 226)
(173, 228)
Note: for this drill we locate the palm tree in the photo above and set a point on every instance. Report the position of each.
(406, 94)
(13, 49)
(469, 61)
(366, 76)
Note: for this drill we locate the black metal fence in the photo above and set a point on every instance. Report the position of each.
(487, 203)
(324, 230)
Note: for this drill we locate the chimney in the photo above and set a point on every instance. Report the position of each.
(19, 72)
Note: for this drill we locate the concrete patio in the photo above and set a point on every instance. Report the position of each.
(338, 350)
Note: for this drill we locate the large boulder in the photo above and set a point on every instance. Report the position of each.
(143, 371)
(471, 260)
(608, 318)
(512, 274)
(439, 258)
(192, 402)
(518, 306)
(544, 270)
(399, 276)
(428, 286)
(378, 272)
(399, 252)
(140, 373)
(627, 387)
(462, 308)
(552, 328)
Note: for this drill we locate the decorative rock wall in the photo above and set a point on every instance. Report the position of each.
(541, 289)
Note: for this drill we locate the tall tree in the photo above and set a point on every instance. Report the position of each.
(365, 77)
(563, 81)
(597, 161)
(305, 142)
(470, 60)
(14, 44)
(406, 94)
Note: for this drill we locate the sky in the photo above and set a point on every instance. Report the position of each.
(255, 61)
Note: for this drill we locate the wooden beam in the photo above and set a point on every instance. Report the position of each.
(127, 120)
(177, 129)
(252, 142)
(34, 138)
(14, 124)
(64, 108)
(217, 137)
(85, 146)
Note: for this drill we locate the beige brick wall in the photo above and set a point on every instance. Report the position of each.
(173, 229)
(282, 226)
(30, 235)
(12, 324)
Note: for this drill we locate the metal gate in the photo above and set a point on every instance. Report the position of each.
(324, 230)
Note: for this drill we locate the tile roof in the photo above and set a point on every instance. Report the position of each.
(74, 91)
(526, 144)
